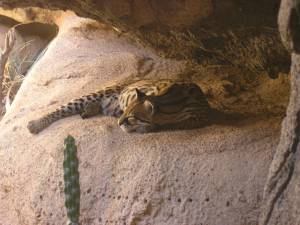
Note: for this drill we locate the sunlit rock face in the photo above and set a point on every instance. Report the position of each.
(213, 175)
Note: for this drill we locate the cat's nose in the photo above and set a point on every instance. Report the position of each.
(123, 121)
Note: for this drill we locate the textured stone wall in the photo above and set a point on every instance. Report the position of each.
(137, 13)
(281, 195)
(170, 13)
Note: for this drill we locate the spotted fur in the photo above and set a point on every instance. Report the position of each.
(142, 106)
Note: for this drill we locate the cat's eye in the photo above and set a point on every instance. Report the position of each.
(131, 119)
(149, 107)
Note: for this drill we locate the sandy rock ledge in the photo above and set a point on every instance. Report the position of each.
(211, 176)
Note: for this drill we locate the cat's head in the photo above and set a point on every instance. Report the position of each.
(176, 104)
(138, 116)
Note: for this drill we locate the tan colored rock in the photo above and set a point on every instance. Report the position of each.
(281, 193)
(33, 14)
(213, 175)
(137, 13)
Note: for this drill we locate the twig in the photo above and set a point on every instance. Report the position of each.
(4, 54)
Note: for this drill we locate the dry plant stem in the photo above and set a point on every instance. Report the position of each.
(4, 54)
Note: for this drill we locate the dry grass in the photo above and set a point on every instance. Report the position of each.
(13, 74)
(230, 66)
(255, 50)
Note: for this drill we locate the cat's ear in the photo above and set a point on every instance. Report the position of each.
(140, 95)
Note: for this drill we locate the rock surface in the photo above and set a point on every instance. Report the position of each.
(213, 175)
(281, 195)
(166, 13)
(136, 13)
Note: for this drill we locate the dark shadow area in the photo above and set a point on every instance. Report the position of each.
(7, 21)
(45, 31)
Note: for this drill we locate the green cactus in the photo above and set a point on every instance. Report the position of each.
(71, 178)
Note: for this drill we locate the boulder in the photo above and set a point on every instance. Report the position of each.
(214, 175)
(281, 193)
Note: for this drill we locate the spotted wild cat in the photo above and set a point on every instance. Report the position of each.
(142, 106)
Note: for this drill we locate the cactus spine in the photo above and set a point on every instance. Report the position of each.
(71, 179)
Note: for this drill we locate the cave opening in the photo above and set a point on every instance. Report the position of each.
(23, 44)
